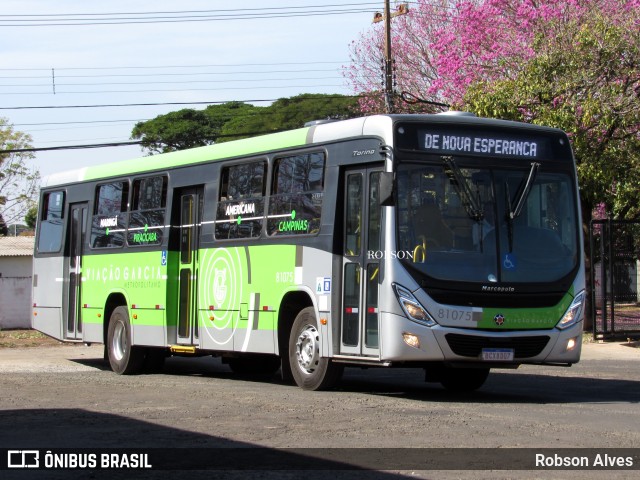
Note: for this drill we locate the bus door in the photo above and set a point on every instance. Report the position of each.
(361, 261)
(189, 216)
(77, 228)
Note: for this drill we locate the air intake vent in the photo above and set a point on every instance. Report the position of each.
(471, 345)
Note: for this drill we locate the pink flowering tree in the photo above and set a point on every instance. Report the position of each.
(441, 47)
(585, 79)
(415, 69)
(572, 64)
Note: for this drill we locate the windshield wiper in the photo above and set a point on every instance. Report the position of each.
(523, 191)
(521, 198)
(469, 202)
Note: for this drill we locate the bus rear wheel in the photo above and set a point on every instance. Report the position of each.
(124, 358)
(310, 371)
(463, 379)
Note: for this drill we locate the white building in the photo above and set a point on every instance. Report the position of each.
(16, 259)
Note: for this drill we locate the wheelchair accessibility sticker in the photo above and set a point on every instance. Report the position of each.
(509, 261)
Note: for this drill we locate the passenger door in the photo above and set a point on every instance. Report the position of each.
(361, 263)
(77, 229)
(189, 215)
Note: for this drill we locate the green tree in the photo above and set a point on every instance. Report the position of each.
(31, 217)
(290, 113)
(190, 128)
(18, 182)
(185, 128)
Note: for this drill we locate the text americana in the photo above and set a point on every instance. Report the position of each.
(240, 209)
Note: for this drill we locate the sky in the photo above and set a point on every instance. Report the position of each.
(75, 55)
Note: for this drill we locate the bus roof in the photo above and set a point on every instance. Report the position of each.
(376, 125)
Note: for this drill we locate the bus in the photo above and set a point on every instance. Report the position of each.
(446, 242)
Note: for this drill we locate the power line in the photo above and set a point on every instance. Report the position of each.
(62, 83)
(120, 144)
(178, 12)
(163, 82)
(161, 90)
(151, 104)
(175, 17)
(95, 123)
(154, 104)
(70, 147)
(156, 75)
(78, 123)
(259, 112)
(216, 116)
(145, 72)
(147, 67)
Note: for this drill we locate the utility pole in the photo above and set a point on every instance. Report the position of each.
(402, 9)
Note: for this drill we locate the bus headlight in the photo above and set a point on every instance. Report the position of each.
(572, 315)
(411, 307)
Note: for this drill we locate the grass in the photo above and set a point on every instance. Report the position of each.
(25, 338)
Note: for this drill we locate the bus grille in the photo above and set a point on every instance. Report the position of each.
(471, 346)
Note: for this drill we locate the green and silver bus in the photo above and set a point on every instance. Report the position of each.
(445, 242)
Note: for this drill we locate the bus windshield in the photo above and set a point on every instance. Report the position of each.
(466, 222)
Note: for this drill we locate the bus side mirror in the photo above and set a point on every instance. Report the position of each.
(386, 189)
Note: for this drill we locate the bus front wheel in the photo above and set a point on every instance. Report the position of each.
(124, 358)
(310, 371)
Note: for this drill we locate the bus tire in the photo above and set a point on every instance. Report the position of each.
(310, 371)
(124, 358)
(463, 379)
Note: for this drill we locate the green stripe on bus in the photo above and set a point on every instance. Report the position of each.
(238, 148)
(226, 279)
(542, 318)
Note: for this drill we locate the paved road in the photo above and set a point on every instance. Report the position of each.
(64, 397)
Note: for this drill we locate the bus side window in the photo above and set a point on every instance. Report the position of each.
(240, 210)
(109, 222)
(52, 215)
(353, 215)
(146, 220)
(295, 205)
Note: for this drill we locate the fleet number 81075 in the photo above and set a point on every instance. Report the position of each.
(457, 315)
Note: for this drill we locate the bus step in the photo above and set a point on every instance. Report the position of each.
(182, 349)
(356, 360)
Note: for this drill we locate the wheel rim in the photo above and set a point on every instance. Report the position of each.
(308, 349)
(119, 343)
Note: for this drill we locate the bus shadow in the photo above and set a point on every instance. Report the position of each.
(57, 432)
(205, 366)
(507, 388)
(501, 387)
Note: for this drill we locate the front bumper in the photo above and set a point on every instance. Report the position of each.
(463, 345)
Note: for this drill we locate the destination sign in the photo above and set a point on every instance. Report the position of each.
(494, 146)
(482, 143)
(445, 143)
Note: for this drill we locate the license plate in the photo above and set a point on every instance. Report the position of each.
(497, 354)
